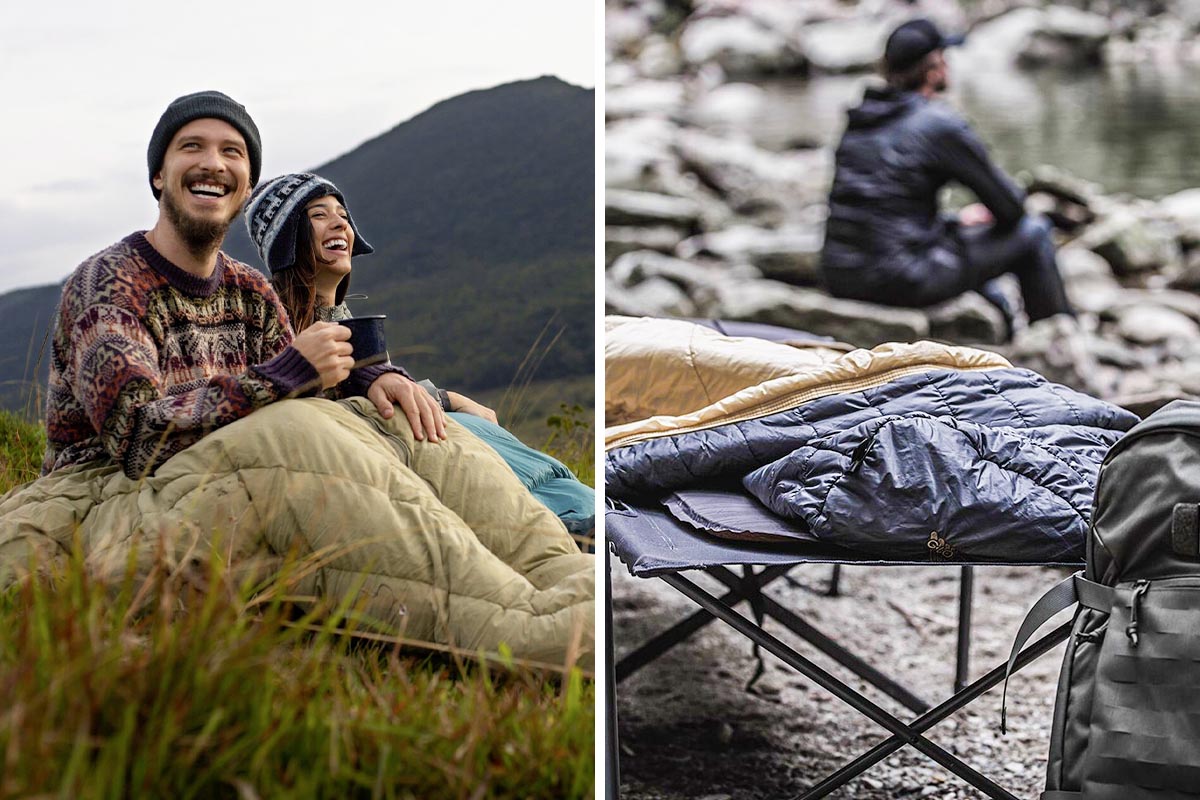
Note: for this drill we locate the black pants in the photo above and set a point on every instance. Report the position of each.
(977, 255)
(1026, 251)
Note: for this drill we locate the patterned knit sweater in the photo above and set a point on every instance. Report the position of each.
(147, 358)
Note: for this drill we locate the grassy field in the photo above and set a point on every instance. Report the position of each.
(192, 686)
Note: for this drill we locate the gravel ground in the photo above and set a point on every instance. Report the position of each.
(688, 727)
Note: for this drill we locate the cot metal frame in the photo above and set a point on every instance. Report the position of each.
(748, 587)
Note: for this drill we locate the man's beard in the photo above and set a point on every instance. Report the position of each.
(200, 236)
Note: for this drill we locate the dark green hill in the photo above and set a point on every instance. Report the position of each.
(25, 317)
(481, 213)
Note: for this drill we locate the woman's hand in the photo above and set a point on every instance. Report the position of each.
(424, 414)
(460, 402)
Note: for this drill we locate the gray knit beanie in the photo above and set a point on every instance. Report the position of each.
(202, 105)
(276, 210)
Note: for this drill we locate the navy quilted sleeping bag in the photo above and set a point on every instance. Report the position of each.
(956, 465)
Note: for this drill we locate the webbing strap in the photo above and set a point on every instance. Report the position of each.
(1075, 589)
(1094, 595)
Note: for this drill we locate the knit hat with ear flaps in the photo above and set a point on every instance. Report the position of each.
(202, 105)
(275, 212)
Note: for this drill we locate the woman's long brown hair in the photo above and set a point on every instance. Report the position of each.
(296, 284)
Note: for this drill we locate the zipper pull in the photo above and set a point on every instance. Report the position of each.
(1131, 630)
(860, 454)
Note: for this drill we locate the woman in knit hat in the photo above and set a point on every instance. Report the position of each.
(306, 237)
(305, 234)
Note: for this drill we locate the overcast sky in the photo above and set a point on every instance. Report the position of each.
(85, 83)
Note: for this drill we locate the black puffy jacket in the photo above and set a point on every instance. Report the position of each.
(884, 231)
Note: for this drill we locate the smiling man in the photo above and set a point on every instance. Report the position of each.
(161, 338)
(173, 362)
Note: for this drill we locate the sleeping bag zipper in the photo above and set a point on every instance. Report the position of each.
(399, 444)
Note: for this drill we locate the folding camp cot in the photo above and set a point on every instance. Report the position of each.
(652, 543)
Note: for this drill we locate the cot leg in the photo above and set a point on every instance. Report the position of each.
(966, 591)
(932, 717)
(612, 770)
(649, 651)
(835, 577)
(839, 689)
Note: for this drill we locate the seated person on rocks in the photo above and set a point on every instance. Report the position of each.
(170, 424)
(307, 237)
(886, 241)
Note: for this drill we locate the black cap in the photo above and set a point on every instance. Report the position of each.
(202, 105)
(914, 40)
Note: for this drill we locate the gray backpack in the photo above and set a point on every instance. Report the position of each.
(1127, 715)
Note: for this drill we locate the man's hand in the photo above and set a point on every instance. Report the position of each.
(326, 346)
(975, 214)
(424, 414)
(460, 402)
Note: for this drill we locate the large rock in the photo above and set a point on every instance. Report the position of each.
(1185, 303)
(659, 58)
(735, 103)
(1132, 244)
(1146, 403)
(1147, 324)
(740, 45)
(646, 97)
(1183, 209)
(656, 297)
(1062, 184)
(1094, 295)
(1032, 37)
(1119, 354)
(1066, 37)
(674, 180)
(846, 45)
(967, 319)
(749, 177)
(1184, 374)
(791, 255)
(639, 267)
(619, 240)
(1189, 274)
(775, 303)
(624, 28)
(997, 42)
(636, 149)
(1081, 264)
(788, 17)
(1063, 352)
(624, 207)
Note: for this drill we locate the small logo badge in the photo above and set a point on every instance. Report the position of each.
(939, 546)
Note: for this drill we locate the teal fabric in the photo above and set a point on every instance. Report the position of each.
(550, 481)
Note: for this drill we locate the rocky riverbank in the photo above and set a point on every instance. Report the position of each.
(703, 221)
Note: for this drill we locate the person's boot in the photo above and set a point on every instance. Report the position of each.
(994, 293)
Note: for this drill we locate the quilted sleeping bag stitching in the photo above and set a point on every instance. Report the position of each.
(441, 541)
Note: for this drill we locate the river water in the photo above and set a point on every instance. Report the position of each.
(1132, 128)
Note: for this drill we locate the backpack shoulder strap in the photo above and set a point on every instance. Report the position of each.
(1075, 589)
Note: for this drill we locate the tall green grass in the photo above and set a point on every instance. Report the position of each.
(187, 684)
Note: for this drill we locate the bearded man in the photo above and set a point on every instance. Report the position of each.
(161, 338)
